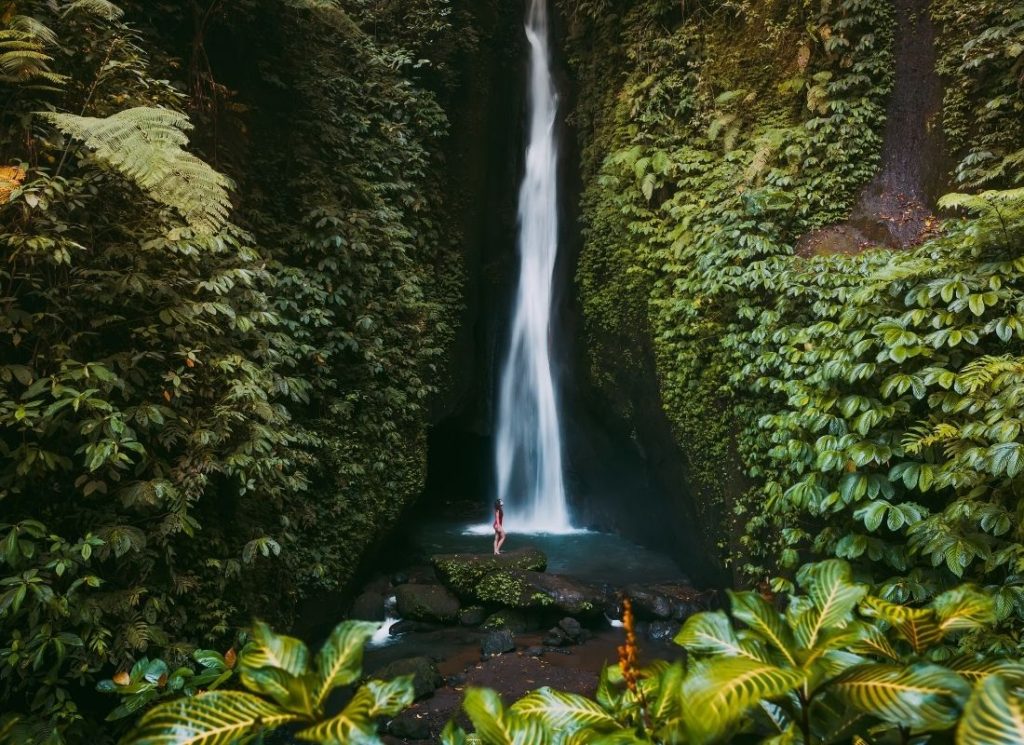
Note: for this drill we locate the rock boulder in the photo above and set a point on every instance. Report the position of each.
(425, 677)
(426, 603)
(526, 589)
(462, 572)
(498, 642)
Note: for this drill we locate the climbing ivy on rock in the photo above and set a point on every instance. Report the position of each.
(226, 292)
(871, 398)
(734, 129)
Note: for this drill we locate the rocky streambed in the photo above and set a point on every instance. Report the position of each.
(506, 623)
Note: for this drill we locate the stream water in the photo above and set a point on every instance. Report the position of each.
(528, 443)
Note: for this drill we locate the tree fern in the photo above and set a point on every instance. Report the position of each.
(22, 56)
(99, 8)
(146, 145)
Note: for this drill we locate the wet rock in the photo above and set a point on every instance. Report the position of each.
(498, 642)
(462, 572)
(425, 677)
(534, 651)
(515, 621)
(648, 604)
(455, 680)
(524, 589)
(474, 615)
(405, 627)
(571, 627)
(410, 726)
(426, 603)
(663, 631)
(399, 578)
(556, 638)
(368, 607)
(664, 601)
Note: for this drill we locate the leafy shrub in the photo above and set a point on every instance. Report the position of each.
(839, 665)
(200, 422)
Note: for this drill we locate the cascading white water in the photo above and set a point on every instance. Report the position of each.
(528, 451)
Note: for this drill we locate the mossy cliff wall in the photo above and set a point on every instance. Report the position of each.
(758, 190)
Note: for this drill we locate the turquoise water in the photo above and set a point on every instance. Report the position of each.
(589, 556)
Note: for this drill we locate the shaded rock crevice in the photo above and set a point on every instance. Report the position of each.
(894, 210)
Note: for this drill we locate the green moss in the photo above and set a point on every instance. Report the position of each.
(504, 587)
(710, 146)
(462, 572)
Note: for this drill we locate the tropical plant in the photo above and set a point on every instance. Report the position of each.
(146, 145)
(284, 687)
(838, 665)
(149, 681)
(171, 384)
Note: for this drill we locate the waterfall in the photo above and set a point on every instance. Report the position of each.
(528, 449)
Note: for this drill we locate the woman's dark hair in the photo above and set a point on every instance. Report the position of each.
(497, 503)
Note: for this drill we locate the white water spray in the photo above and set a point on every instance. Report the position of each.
(528, 453)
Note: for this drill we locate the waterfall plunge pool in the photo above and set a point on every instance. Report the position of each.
(587, 555)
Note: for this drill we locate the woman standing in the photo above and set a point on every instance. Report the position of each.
(499, 529)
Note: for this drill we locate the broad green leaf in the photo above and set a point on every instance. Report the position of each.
(919, 626)
(834, 595)
(216, 718)
(527, 731)
(874, 642)
(753, 610)
(358, 719)
(718, 692)
(619, 737)
(835, 722)
(921, 697)
(487, 713)
(340, 730)
(268, 649)
(712, 633)
(977, 667)
(964, 608)
(563, 712)
(607, 696)
(292, 692)
(453, 734)
(340, 660)
(666, 705)
(994, 715)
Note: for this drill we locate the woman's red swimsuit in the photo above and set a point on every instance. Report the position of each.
(499, 515)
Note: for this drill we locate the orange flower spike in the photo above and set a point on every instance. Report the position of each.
(628, 651)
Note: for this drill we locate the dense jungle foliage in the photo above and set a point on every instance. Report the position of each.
(229, 278)
(231, 274)
(872, 398)
(840, 665)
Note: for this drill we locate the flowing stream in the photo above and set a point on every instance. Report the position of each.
(528, 450)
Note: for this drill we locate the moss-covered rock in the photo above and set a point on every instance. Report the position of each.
(426, 603)
(507, 618)
(462, 572)
(474, 615)
(425, 676)
(514, 588)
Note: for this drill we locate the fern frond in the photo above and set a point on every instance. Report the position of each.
(100, 8)
(146, 146)
(22, 55)
(33, 29)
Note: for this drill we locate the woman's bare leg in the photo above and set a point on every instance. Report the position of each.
(497, 535)
(499, 540)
